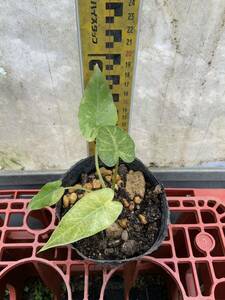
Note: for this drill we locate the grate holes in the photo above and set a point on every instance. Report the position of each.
(187, 278)
(34, 280)
(14, 254)
(219, 291)
(181, 217)
(188, 203)
(39, 219)
(18, 236)
(15, 220)
(211, 203)
(171, 266)
(222, 220)
(77, 284)
(218, 249)
(2, 219)
(42, 238)
(74, 255)
(63, 268)
(174, 203)
(192, 235)
(204, 278)
(180, 193)
(17, 205)
(54, 253)
(220, 209)
(208, 217)
(219, 269)
(180, 243)
(95, 284)
(3, 205)
(164, 251)
(6, 195)
(26, 195)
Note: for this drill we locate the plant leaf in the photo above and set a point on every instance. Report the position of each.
(49, 194)
(97, 107)
(93, 213)
(113, 143)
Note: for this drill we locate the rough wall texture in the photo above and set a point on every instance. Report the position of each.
(178, 116)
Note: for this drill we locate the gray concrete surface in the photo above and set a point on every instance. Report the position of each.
(178, 114)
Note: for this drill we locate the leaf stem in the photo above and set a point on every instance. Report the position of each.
(97, 168)
(115, 175)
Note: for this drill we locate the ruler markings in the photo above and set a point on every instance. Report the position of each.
(108, 31)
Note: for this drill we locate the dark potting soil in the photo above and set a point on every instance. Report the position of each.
(137, 237)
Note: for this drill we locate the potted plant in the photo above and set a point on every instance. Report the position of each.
(110, 207)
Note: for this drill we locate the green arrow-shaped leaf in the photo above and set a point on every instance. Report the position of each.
(114, 143)
(93, 213)
(97, 107)
(49, 194)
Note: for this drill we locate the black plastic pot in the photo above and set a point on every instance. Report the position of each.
(87, 165)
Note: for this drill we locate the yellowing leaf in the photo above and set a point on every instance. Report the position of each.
(93, 213)
(114, 143)
(49, 194)
(97, 107)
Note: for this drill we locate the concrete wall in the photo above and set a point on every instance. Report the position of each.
(178, 116)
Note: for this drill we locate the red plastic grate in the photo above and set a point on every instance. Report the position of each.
(192, 258)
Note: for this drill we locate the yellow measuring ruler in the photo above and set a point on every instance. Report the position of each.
(108, 37)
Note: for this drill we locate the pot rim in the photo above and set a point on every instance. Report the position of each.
(164, 220)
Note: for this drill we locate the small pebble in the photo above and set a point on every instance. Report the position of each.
(137, 199)
(108, 178)
(124, 235)
(88, 186)
(66, 201)
(123, 223)
(114, 243)
(114, 231)
(96, 184)
(158, 189)
(72, 190)
(78, 186)
(131, 206)
(142, 219)
(80, 195)
(109, 251)
(125, 203)
(120, 183)
(135, 184)
(75, 188)
(105, 171)
(129, 247)
(118, 178)
(73, 198)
